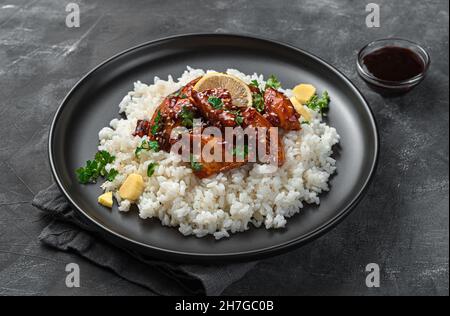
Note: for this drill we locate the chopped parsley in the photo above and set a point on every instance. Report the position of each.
(96, 168)
(154, 145)
(235, 112)
(175, 94)
(239, 119)
(155, 127)
(258, 101)
(187, 117)
(147, 145)
(254, 83)
(273, 83)
(151, 168)
(196, 166)
(240, 152)
(112, 174)
(319, 104)
(183, 96)
(158, 117)
(215, 102)
(306, 122)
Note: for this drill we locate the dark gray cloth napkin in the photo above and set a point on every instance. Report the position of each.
(69, 231)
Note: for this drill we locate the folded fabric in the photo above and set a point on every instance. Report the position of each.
(70, 231)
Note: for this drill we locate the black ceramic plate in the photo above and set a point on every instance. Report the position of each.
(93, 102)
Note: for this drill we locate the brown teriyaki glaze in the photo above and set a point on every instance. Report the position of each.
(214, 107)
(393, 63)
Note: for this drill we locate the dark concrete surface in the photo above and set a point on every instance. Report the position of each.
(402, 223)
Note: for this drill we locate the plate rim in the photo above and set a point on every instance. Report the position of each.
(242, 255)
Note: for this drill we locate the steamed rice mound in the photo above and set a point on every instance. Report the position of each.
(227, 202)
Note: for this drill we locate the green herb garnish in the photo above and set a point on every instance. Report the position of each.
(241, 151)
(319, 104)
(89, 173)
(196, 166)
(187, 117)
(235, 112)
(239, 119)
(273, 83)
(175, 94)
(96, 168)
(183, 96)
(156, 126)
(151, 168)
(158, 117)
(306, 122)
(147, 145)
(112, 175)
(258, 102)
(254, 83)
(215, 102)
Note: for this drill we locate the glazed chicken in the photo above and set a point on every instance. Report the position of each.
(280, 111)
(205, 168)
(252, 118)
(167, 117)
(214, 107)
(219, 117)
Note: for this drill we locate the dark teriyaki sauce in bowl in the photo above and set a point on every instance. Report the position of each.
(394, 63)
(393, 66)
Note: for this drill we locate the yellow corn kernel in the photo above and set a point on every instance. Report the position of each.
(301, 109)
(304, 92)
(106, 199)
(132, 188)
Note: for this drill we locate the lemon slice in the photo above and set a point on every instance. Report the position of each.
(241, 95)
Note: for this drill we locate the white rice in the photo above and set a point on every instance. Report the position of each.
(227, 202)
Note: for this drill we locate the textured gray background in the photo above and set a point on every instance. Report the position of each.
(402, 224)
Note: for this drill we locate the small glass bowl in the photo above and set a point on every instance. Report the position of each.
(386, 86)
